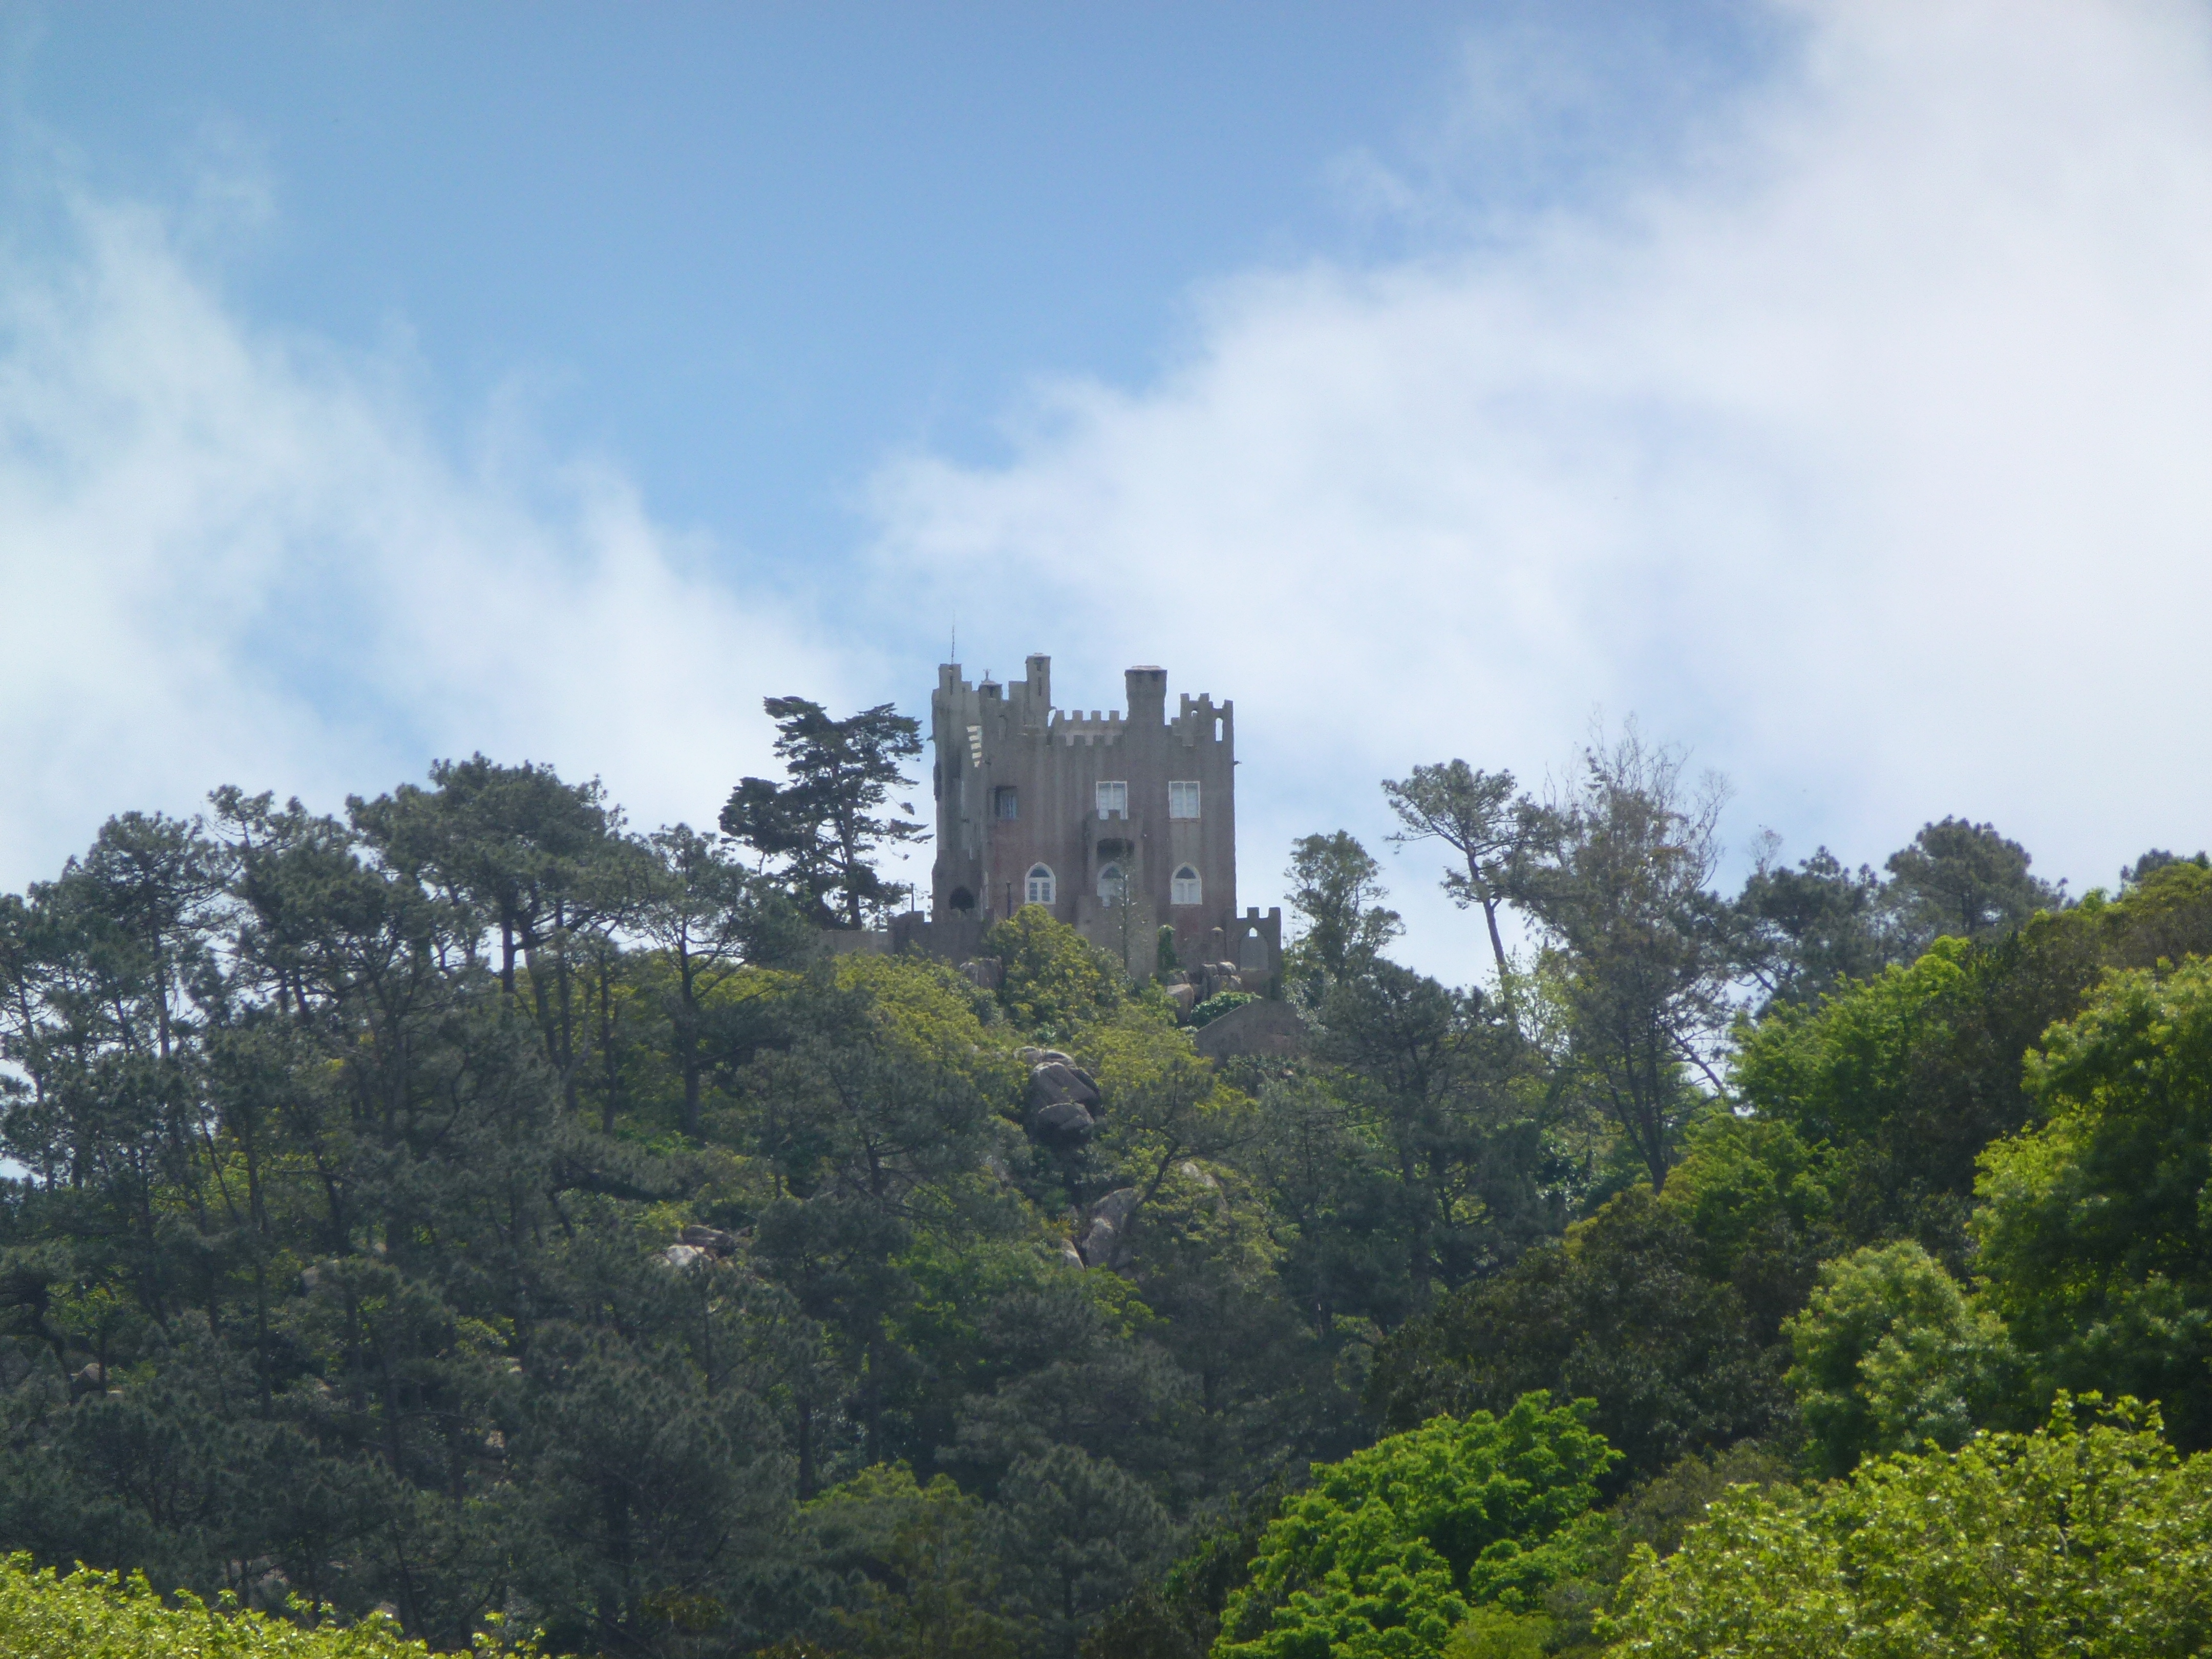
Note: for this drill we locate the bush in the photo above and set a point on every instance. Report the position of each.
(103, 1615)
(1055, 979)
(2094, 1542)
(1388, 1550)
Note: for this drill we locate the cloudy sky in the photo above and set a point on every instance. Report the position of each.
(1828, 388)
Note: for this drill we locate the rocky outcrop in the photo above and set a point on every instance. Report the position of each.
(697, 1247)
(1063, 1101)
(713, 1240)
(1106, 1231)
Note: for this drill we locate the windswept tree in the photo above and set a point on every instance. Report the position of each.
(1478, 816)
(1618, 874)
(819, 832)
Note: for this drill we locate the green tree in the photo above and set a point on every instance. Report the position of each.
(1434, 1076)
(1907, 1076)
(1618, 877)
(2092, 1540)
(1477, 815)
(2093, 1229)
(1335, 887)
(1385, 1551)
(1055, 980)
(929, 1583)
(1893, 1353)
(1966, 881)
(1809, 931)
(1761, 1205)
(46, 1615)
(709, 917)
(820, 827)
(1077, 1534)
(1619, 1312)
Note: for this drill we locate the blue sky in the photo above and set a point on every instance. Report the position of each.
(748, 249)
(1823, 387)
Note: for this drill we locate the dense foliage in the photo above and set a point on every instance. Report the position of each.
(2094, 1540)
(89, 1614)
(1386, 1551)
(472, 1208)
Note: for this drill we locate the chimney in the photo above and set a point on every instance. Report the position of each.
(1039, 667)
(1148, 696)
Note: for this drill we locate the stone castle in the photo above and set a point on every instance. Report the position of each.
(1119, 823)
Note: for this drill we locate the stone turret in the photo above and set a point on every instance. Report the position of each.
(1118, 825)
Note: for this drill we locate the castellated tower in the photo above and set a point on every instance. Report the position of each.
(1117, 824)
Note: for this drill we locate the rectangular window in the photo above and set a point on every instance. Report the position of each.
(1182, 800)
(1005, 804)
(1113, 800)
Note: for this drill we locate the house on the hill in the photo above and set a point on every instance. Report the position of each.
(1118, 823)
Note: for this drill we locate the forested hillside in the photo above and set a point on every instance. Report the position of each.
(474, 1208)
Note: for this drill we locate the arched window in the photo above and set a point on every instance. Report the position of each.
(1040, 884)
(1189, 889)
(962, 900)
(1112, 884)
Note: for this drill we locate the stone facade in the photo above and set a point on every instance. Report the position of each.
(1117, 824)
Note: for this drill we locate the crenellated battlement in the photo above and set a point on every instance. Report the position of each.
(1120, 821)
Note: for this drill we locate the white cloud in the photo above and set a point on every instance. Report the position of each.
(227, 556)
(1869, 450)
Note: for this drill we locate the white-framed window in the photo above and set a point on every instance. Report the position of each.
(1005, 803)
(1112, 884)
(1113, 800)
(1187, 889)
(1039, 887)
(1183, 799)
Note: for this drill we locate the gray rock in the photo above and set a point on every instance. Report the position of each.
(1062, 1079)
(1063, 1100)
(1106, 1235)
(681, 1256)
(1062, 1120)
(1070, 1255)
(1117, 1207)
(713, 1240)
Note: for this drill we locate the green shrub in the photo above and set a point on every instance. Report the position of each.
(103, 1615)
(1388, 1550)
(2092, 1541)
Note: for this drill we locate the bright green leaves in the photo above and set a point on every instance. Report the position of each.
(2091, 1542)
(1837, 1072)
(102, 1615)
(1054, 979)
(1385, 1552)
(1893, 1353)
(2096, 1229)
